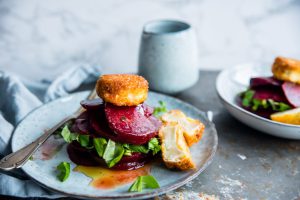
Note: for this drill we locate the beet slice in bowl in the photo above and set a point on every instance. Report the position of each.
(264, 81)
(292, 93)
(275, 94)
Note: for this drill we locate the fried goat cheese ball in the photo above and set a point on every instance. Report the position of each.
(122, 89)
(286, 69)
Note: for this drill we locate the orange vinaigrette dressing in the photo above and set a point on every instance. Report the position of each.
(103, 178)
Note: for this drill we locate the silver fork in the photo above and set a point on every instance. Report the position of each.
(19, 158)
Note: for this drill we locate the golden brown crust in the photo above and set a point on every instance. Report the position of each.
(286, 69)
(122, 89)
(184, 164)
(196, 135)
(192, 129)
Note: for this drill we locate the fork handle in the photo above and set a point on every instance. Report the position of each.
(19, 158)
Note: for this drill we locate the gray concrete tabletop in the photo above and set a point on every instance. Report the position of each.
(248, 164)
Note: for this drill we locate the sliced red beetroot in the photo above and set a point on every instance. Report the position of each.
(131, 124)
(74, 128)
(275, 94)
(265, 82)
(130, 165)
(81, 124)
(136, 160)
(99, 123)
(83, 115)
(292, 93)
(92, 104)
(136, 156)
(81, 156)
(87, 157)
(148, 110)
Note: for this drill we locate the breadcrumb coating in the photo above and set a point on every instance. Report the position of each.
(286, 69)
(122, 89)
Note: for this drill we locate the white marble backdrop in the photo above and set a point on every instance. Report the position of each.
(39, 38)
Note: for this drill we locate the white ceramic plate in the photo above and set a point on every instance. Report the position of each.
(232, 81)
(77, 185)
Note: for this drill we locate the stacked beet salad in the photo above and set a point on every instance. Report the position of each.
(118, 137)
(269, 95)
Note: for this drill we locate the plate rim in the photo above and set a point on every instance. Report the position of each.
(148, 194)
(236, 107)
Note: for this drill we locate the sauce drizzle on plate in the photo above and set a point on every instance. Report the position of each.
(103, 178)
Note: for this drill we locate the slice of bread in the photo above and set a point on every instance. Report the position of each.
(286, 69)
(192, 129)
(175, 151)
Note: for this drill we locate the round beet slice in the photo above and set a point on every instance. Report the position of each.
(131, 123)
(81, 124)
(100, 126)
(129, 165)
(275, 94)
(136, 156)
(80, 155)
(292, 93)
(265, 82)
(148, 110)
(92, 104)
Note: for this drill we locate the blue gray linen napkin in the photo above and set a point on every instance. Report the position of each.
(16, 101)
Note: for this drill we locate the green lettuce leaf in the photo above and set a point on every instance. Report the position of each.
(255, 104)
(154, 145)
(100, 145)
(83, 140)
(247, 97)
(127, 152)
(158, 111)
(113, 153)
(278, 106)
(67, 135)
(144, 182)
(136, 148)
(64, 171)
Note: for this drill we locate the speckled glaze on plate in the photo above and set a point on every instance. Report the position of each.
(235, 80)
(77, 185)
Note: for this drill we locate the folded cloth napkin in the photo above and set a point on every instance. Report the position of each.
(16, 101)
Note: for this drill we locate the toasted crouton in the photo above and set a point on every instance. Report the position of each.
(192, 129)
(175, 151)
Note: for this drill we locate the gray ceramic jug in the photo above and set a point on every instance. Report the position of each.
(168, 56)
